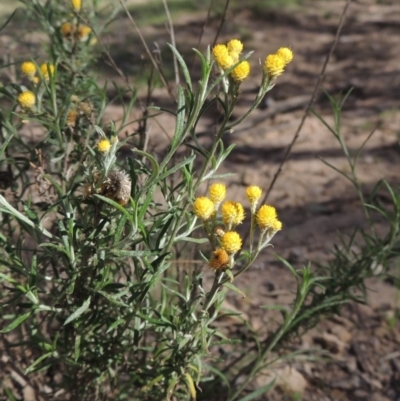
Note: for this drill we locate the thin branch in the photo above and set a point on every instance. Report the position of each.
(221, 23)
(154, 62)
(203, 29)
(305, 115)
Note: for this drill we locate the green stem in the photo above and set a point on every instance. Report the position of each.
(265, 87)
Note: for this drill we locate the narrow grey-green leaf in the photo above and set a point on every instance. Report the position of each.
(115, 324)
(82, 309)
(5, 144)
(183, 65)
(180, 118)
(234, 288)
(40, 359)
(16, 322)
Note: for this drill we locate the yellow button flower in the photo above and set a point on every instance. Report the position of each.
(203, 208)
(232, 214)
(219, 260)
(276, 226)
(83, 32)
(76, 5)
(28, 69)
(253, 193)
(217, 193)
(286, 54)
(266, 217)
(241, 72)
(222, 57)
(27, 100)
(104, 145)
(235, 46)
(231, 242)
(274, 65)
(235, 56)
(47, 70)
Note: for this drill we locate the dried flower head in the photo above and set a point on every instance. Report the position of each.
(27, 100)
(241, 72)
(28, 69)
(67, 30)
(219, 232)
(76, 5)
(72, 118)
(222, 57)
(274, 65)
(253, 193)
(47, 70)
(286, 54)
(104, 145)
(203, 208)
(266, 217)
(232, 214)
(219, 260)
(231, 242)
(217, 193)
(85, 108)
(117, 186)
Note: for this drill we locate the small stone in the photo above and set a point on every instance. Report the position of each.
(342, 333)
(378, 397)
(291, 381)
(331, 343)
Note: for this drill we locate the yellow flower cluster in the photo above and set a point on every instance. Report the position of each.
(29, 70)
(204, 207)
(274, 64)
(228, 55)
(222, 57)
(224, 240)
